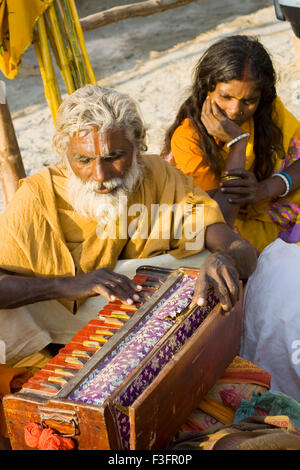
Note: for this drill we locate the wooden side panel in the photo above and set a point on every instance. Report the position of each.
(93, 432)
(18, 414)
(164, 406)
(84, 423)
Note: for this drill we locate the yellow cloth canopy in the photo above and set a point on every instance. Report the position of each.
(17, 22)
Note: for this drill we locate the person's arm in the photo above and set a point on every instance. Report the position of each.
(16, 290)
(232, 259)
(224, 129)
(235, 161)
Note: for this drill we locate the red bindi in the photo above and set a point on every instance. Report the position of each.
(245, 74)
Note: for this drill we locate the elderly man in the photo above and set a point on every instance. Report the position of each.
(67, 226)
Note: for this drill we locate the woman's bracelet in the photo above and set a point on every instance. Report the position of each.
(229, 177)
(288, 182)
(239, 137)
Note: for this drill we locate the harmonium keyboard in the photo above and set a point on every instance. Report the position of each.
(133, 374)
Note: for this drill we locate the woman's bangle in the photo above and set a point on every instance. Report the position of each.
(228, 178)
(288, 182)
(288, 177)
(239, 137)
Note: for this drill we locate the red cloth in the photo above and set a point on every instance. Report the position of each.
(50, 440)
(46, 439)
(32, 434)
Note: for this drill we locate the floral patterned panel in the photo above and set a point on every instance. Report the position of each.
(112, 373)
(100, 384)
(155, 364)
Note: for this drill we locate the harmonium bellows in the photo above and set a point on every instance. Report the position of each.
(133, 374)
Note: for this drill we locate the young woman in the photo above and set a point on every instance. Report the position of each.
(236, 139)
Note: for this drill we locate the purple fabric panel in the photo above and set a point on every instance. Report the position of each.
(179, 299)
(165, 353)
(157, 363)
(124, 429)
(100, 384)
(105, 381)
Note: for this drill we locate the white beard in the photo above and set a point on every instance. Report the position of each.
(103, 208)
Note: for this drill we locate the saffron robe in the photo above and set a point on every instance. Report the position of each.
(42, 236)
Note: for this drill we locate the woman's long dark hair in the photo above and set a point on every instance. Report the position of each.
(224, 61)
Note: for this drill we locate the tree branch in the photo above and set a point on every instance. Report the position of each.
(131, 10)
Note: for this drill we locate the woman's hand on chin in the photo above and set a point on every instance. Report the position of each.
(217, 123)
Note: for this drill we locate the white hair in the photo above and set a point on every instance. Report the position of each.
(92, 106)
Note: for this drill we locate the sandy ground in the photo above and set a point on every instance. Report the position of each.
(152, 59)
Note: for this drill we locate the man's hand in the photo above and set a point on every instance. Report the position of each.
(104, 282)
(219, 272)
(217, 123)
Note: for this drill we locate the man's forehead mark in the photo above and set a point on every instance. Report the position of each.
(100, 142)
(96, 141)
(103, 142)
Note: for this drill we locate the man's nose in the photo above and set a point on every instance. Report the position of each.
(101, 171)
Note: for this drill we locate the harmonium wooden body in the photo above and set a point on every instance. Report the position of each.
(129, 379)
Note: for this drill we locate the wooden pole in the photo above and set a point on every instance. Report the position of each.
(61, 21)
(11, 164)
(80, 36)
(74, 43)
(66, 72)
(49, 73)
(131, 10)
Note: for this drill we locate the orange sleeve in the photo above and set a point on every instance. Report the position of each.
(189, 158)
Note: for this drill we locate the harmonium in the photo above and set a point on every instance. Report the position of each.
(130, 378)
